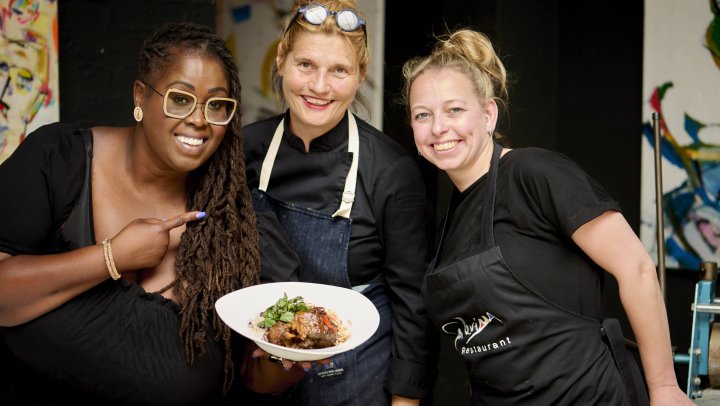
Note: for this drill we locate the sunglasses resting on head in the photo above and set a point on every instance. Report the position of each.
(347, 19)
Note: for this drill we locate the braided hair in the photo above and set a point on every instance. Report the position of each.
(219, 254)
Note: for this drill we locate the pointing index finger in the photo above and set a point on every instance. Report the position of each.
(181, 219)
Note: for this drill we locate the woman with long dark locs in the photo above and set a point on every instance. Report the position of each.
(115, 244)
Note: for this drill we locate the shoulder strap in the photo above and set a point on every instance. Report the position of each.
(78, 227)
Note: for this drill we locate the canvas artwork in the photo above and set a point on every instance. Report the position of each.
(252, 30)
(28, 69)
(681, 83)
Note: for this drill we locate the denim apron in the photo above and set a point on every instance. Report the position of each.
(519, 348)
(321, 242)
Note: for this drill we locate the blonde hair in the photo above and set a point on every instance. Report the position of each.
(468, 52)
(356, 39)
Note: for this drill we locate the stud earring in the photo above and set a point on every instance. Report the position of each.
(138, 114)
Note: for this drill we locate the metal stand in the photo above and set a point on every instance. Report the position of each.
(705, 307)
(659, 212)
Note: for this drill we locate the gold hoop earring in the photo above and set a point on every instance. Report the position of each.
(138, 113)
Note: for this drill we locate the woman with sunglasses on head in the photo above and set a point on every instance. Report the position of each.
(348, 206)
(115, 244)
(517, 278)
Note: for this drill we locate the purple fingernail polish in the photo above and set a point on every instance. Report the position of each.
(200, 215)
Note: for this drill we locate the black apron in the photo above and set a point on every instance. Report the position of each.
(519, 348)
(321, 242)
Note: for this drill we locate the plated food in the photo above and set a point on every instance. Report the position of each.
(303, 334)
(291, 322)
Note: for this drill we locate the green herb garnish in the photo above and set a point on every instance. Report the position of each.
(283, 310)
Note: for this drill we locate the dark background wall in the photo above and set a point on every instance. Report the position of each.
(576, 70)
(99, 43)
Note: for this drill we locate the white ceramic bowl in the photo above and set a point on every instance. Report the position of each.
(239, 308)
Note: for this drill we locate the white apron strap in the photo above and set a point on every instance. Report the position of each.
(269, 160)
(348, 196)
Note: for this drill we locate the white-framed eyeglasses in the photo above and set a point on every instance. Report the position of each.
(180, 104)
(347, 19)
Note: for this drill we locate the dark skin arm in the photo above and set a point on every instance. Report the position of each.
(32, 285)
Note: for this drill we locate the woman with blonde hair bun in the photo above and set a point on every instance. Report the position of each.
(518, 273)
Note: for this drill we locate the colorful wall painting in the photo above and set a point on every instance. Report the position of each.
(681, 82)
(28, 69)
(252, 29)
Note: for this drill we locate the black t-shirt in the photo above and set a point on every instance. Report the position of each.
(112, 343)
(542, 198)
(39, 184)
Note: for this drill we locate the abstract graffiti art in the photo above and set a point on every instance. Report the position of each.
(682, 85)
(28, 69)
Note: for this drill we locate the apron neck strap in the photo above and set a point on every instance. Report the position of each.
(269, 160)
(488, 200)
(348, 196)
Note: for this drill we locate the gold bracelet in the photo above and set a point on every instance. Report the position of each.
(109, 261)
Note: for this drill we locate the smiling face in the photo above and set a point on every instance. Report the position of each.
(320, 76)
(182, 144)
(451, 124)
